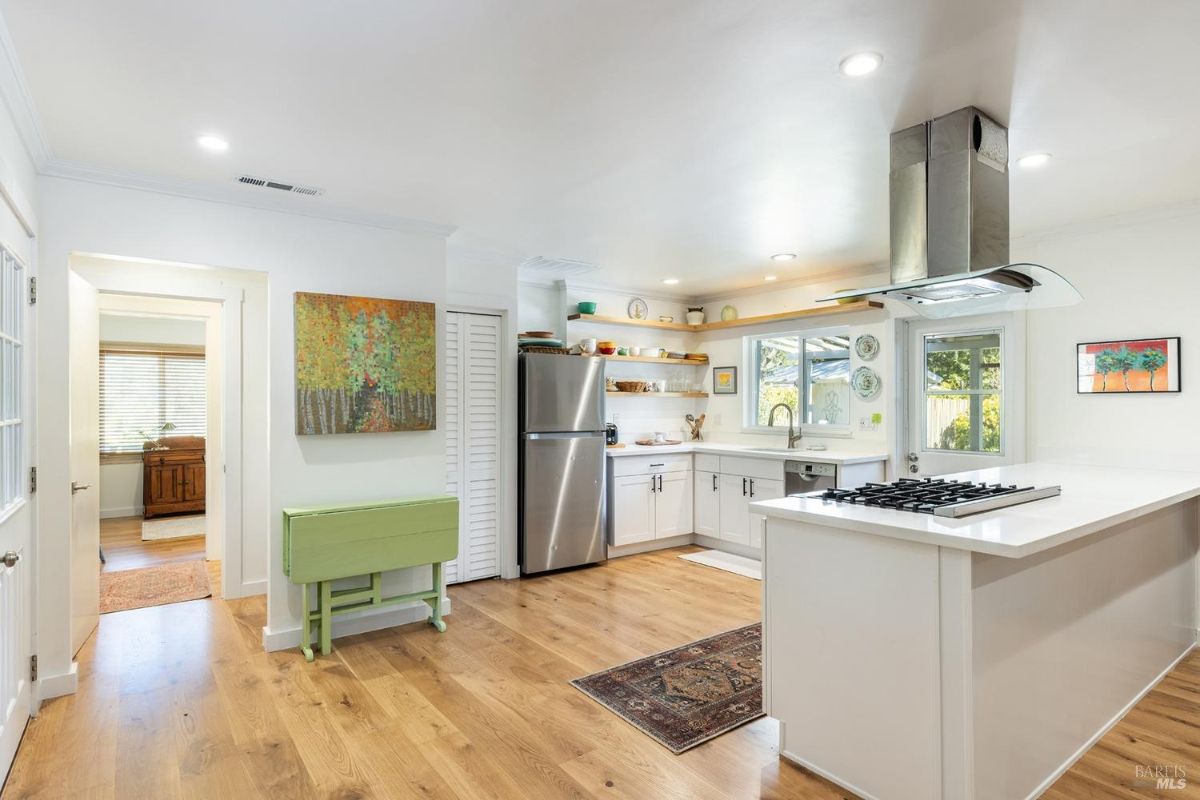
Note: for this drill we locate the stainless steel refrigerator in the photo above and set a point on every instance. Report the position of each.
(562, 461)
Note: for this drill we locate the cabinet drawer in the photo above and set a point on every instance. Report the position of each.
(155, 458)
(766, 468)
(647, 465)
(707, 462)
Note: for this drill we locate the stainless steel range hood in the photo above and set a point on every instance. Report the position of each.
(949, 224)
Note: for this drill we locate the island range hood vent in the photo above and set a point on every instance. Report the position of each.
(949, 224)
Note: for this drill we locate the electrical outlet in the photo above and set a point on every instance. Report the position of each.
(869, 423)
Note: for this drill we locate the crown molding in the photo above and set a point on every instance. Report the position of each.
(241, 196)
(17, 98)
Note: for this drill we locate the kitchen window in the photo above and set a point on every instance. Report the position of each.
(148, 394)
(963, 392)
(809, 371)
(12, 397)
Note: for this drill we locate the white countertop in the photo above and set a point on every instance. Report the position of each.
(831, 455)
(1093, 499)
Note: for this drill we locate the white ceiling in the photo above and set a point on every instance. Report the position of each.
(685, 138)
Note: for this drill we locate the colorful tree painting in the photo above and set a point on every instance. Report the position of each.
(364, 365)
(1144, 365)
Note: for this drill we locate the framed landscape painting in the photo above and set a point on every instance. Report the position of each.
(364, 365)
(1129, 366)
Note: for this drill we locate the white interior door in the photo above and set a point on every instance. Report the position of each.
(966, 394)
(472, 424)
(16, 514)
(85, 458)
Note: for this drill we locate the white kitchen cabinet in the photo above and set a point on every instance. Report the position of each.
(761, 489)
(632, 509)
(735, 509)
(707, 520)
(673, 505)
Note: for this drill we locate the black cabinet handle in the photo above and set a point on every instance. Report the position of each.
(752, 487)
(714, 481)
(743, 487)
(660, 483)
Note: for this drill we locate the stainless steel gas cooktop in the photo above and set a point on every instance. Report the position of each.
(938, 496)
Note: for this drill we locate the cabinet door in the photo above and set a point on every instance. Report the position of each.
(707, 505)
(735, 511)
(673, 505)
(761, 489)
(193, 482)
(166, 484)
(633, 509)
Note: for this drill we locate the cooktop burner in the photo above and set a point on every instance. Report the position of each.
(938, 496)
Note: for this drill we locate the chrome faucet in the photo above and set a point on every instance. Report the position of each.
(794, 433)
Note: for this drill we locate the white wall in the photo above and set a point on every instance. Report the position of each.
(1139, 278)
(121, 482)
(298, 253)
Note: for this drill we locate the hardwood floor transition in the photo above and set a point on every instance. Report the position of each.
(180, 701)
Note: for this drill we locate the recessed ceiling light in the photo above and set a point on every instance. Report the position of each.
(213, 144)
(670, 281)
(860, 64)
(769, 278)
(1033, 160)
(783, 256)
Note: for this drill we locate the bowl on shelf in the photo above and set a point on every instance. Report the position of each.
(841, 301)
(587, 307)
(652, 352)
(606, 348)
(679, 356)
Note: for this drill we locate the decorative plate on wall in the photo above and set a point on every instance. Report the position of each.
(867, 347)
(637, 308)
(866, 383)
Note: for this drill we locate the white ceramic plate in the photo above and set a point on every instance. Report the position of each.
(866, 383)
(637, 308)
(867, 347)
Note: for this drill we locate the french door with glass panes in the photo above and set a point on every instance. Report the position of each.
(965, 394)
(472, 424)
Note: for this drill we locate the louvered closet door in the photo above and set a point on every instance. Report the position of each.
(473, 441)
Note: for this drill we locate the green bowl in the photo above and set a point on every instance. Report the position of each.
(587, 308)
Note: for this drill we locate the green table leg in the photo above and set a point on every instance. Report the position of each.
(326, 617)
(435, 618)
(305, 624)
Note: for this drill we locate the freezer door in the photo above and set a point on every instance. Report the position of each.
(562, 393)
(562, 501)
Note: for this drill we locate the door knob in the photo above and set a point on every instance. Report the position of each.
(11, 558)
(79, 487)
(913, 458)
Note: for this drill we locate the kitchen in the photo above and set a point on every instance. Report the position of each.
(625, 400)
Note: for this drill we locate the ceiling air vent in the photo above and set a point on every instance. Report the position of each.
(267, 183)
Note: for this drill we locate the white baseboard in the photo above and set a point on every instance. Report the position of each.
(728, 547)
(829, 776)
(360, 623)
(127, 511)
(646, 547)
(49, 686)
(247, 589)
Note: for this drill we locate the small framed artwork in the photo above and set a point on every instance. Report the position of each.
(724, 380)
(1128, 366)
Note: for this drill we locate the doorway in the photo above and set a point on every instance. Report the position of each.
(965, 398)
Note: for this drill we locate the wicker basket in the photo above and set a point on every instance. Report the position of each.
(635, 387)
(558, 351)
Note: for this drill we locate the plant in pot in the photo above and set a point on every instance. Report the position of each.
(695, 315)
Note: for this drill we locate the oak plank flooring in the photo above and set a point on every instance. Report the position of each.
(121, 540)
(180, 701)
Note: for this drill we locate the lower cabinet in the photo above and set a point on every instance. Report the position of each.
(708, 504)
(650, 505)
(725, 513)
(761, 489)
(735, 509)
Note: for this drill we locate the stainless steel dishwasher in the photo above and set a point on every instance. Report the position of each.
(802, 477)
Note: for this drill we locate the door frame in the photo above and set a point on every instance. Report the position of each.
(1013, 429)
(231, 300)
(506, 455)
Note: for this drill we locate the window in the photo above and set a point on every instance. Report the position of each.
(808, 372)
(963, 383)
(12, 399)
(144, 395)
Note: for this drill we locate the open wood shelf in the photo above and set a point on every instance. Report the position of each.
(804, 313)
(687, 362)
(657, 394)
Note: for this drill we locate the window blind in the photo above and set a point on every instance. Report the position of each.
(140, 392)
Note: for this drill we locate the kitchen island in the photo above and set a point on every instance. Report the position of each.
(908, 655)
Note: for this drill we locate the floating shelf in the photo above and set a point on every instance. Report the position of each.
(657, 394)
(687, 362)
(804, 313)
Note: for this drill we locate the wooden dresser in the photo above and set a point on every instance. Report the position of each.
(173, 475)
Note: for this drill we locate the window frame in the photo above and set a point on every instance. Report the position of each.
(750, 399)
(976, 395)
(196, 352)
(14, 467)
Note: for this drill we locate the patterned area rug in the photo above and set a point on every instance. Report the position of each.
(153, 586)
(688, 695)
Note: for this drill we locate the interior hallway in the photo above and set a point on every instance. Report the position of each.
(121, 540)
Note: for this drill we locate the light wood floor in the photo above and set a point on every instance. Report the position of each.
(121, 541)
(181, 701)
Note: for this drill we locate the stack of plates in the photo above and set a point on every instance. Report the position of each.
(538, 339)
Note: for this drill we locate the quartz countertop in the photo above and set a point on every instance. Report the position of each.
(831, 455)
(1093, 499)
